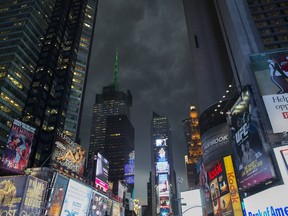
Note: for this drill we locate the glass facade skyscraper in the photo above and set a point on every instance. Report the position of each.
(44, 60)
(23, 26)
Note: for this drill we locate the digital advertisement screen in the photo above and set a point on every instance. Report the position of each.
(162, 167)
(68, 154)
(164, 211)
(129, 166)
(102, 170)
(164, 202)
(98, 205)
(271, 72)
(163, 185)
(11, 193)
(77, 199)
(130, 179)
(161, 142)
(253, 165)
(33, 200)
(18, 147)
(57, 195)
(162, 154)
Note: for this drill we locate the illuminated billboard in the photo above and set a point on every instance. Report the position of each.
(102, 170)
(21, 195)
(253, 165)
(162, 154)
(162, 167)
(161, 142)
(56, 197)
(271, 72)
(129, 167)
(18, 147)
(223, 189)
(116, 209)
(77, 199)
(33, 200)
(98, 204)
(67, 154)
(163, 185)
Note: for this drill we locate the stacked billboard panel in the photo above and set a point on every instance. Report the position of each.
(162, 171)
(271, 72)
(18, 148)
(101, 175)
(67, 154)
(253, 165)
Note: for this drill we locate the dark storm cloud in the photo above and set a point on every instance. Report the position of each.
(154, 63)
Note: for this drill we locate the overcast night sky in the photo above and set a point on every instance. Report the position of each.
(154, 63)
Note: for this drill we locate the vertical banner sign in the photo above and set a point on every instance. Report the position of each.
(101, 175)
(253, 165)
(18, 147)
(232, 185)
(271, 72)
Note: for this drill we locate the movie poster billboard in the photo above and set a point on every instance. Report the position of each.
(34, 196)
(253, 165)
(102, 170)
(57, 195)
(18, 147)
(77, 199)
(271, 72)
(163, 185)
(67, 154)
(98, 205)
(11, 193)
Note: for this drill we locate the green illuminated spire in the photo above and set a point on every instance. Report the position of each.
(116, 71)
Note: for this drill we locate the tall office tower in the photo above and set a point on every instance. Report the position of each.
(163, 178)
(53, 89)
(119, 149)
(210, 62)
(194, 147)
(110, 102)
(23, 26)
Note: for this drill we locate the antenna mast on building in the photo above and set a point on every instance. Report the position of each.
(116, 71)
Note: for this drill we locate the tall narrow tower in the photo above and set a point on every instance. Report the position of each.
(163, 177)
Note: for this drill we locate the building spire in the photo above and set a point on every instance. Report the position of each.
(116, 71)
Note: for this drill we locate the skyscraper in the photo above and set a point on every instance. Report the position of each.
(54, 98)
(23, 26)
(194, 147)
(163, 177)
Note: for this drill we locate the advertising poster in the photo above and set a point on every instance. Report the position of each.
(116, 209)
(284, 154)
(67, 154)
(162, 154)
(77, 199)
(204, 187)
(162, 167)
(253, 165)
(161, 142)
(57, 195)
(102, 170)
(129, 166)
(33, 199)
(98, 205)
(164, 211)
(11, 193)
(163, 185)
(18, 147)
(164, 202)
(223, 188)
(271, 72)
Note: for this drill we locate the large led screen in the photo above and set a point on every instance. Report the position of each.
(18, 147)
(67, 154)
(77, 199)
(271, 72)
(102, 169)
(129, 166)
(163, 185)
(98, 205)
(33, 200)
(162, 154)
(253, 165)
(161, 142)
(162, 167)
(57, 195)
